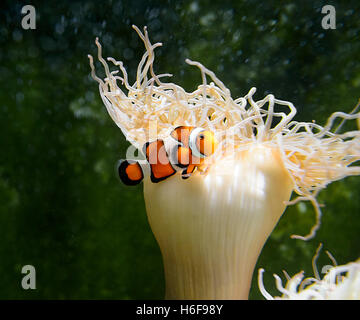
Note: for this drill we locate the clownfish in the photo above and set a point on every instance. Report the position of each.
(185, 151)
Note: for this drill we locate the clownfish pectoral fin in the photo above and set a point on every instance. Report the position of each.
(188, 171)
(158, 159)
(130, 172)
(185, 175)
(182, 156)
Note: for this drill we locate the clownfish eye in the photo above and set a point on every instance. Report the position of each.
(206, 143)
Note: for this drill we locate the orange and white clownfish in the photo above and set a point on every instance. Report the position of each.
(185, 150)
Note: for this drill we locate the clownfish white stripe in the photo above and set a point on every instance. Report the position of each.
(192, 143)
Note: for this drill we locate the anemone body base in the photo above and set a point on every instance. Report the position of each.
(211, 228)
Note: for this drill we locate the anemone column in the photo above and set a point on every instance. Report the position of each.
(211, 229)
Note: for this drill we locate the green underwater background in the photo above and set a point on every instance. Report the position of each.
(62, 208)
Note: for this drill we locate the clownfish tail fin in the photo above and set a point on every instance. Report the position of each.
(130, 172)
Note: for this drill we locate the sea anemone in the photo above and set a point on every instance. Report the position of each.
(211, 227)
(339, 283)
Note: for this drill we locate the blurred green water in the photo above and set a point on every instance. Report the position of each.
(62, 208)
